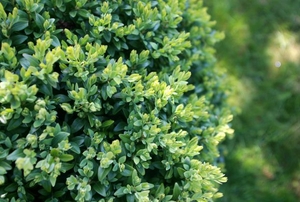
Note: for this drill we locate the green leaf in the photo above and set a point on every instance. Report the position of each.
(3, 14)
(7, 142)
(75, 148)
(37, 123)
(39, 20)
(84, 13)
(18, 153)
(2, 171)
(127, 172)
(107, 123)
(46, 185)
(59, 194)
(15, 102)
(154, 45)
(55, 41)
(120, 192)
(66, 157)
(181, 171)
(67, 107)
(120, 126)
(138, 123)
(103, 172)
(59, 3)
(14, 123)
(122, 159)
(176, 191)
(160, 190)
(61, 98)
(146, 186)
(130, 197)
(33, 61)
(107, 36)
(133, 37)
(5, 165)
(3, 153)
(20, 25)
(100, 189)
(110, 90)
(11, 188)
(52, 180)
(18, 39)
(62, 8)
(77, 124)
(46, 89)
(59, 137)
(66, 166)
(73, 13)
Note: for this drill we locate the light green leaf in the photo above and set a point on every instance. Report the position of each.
(66, 157)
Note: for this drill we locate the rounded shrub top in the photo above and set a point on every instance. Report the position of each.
(109, 101)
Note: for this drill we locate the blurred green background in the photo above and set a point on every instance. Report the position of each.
(261, 54)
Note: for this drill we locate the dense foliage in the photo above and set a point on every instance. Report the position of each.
(109, 101)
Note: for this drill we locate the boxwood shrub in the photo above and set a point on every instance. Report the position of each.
(109, 101)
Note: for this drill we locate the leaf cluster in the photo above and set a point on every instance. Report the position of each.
(109, 101)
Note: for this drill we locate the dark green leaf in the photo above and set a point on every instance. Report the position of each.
(103, 172)
(18, 39)
(11, 188)
(28, 31)
(79, 140)
(100, 189)
(46, 89)
(77, 124)
(14, 123)
(59, 193)
(61, 98)
(120, 126)
(59, 137)
(117, 44)
(107, 36)
(46, 185)
(133, 37)
(39, 20)
(130, 197)
(7, 142)
(37, 34)
(145, 64)
(176, 191)
(18, 26)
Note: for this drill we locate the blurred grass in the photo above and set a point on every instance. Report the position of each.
(261, 53)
